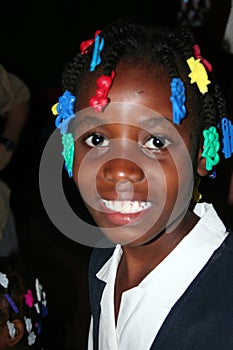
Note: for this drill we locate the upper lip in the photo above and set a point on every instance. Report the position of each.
(124, 196)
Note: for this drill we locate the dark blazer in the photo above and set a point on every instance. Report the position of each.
(202, 319)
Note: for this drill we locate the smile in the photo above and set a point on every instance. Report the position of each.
(126, 206)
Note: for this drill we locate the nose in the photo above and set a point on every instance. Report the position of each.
(119, 169)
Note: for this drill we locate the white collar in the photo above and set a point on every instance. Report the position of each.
(182, 265)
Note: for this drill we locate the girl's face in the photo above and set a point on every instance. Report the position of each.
(132, 164)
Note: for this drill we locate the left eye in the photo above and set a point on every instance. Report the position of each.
(96, 140)
(156, 143)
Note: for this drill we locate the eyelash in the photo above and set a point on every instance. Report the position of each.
(162, 142)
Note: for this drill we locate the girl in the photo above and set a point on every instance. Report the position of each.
(150, 121)
(22, 307)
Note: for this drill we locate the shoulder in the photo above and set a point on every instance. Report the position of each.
(220, 267)
(98, 258)
(226, 247)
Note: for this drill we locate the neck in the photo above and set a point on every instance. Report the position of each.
(138, 261)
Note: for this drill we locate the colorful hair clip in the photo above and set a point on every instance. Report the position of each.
(86, 44)
(29, 298)
(28, 324)
(213, 174)
(211, 147)
(227, 133)
(98, 47)
(197, 55)
(37, 308)
(38, 327)
(3, 280)
(178, 99)
(68, 151)
(44, 311)
(12, 303)
(38, 289)
(103, 85)
(11, 328)
(65, 111)
(31, 338)
(31, 334)
(44, 301)
(198, 74)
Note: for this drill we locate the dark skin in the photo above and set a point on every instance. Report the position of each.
(7, 342)
(149, 160)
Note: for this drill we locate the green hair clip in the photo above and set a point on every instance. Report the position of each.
(68, 151)
(211, 147)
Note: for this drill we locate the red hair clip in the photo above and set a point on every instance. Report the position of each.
(103, 85)
(197, 55)
(86, 44)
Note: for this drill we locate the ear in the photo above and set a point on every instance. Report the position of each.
(19, 328)
(201, 164)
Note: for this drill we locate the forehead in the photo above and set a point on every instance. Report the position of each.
(139, 96)
(147, 87)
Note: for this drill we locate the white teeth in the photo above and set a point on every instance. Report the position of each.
(126, 207)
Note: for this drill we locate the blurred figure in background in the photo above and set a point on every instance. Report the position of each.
(14, 111)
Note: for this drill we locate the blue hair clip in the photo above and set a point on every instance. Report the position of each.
(213, 174)
(38, 327)
(11, 302)
(178, 99)
(65, 111)
(44, 311)
(98, 47)
(227, 132)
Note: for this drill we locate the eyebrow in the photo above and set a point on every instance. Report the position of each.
(90, 121)
(150, 123)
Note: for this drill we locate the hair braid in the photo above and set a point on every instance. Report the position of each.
(150, 46)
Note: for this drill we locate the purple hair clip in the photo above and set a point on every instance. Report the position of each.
(178, 99)
(38, 327)
(44, 311)
(65, 111)
(12, 303)
(227, 133)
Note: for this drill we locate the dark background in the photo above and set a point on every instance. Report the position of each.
(37, 39)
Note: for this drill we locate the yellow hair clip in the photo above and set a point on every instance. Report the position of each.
(198, 74)
(54, 109)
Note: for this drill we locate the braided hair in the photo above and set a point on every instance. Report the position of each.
(159, 46)
(16, 283)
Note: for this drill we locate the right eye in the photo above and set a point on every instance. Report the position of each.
(96, 140)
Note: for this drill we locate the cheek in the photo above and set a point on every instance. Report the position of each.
(77, 164)
(171, 178)
(84, 173)
(178, 174)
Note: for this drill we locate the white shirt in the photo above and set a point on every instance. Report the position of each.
(144, 308)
